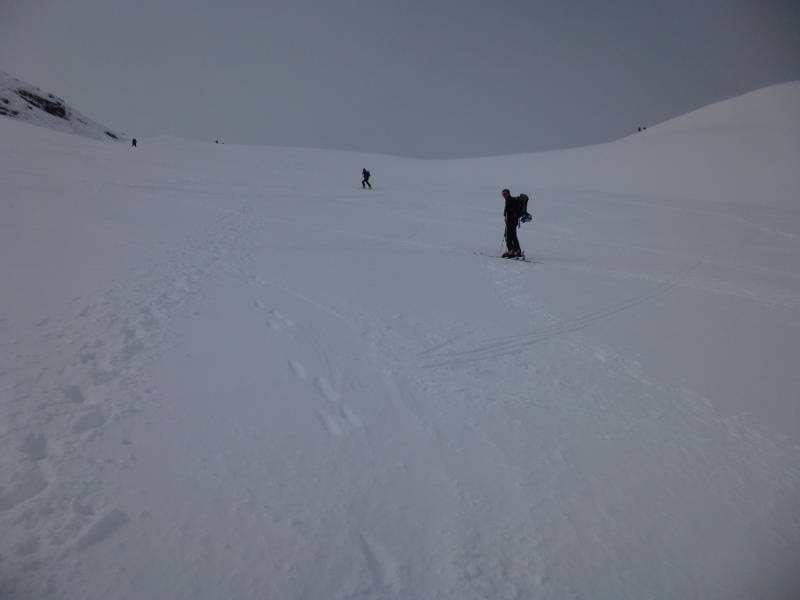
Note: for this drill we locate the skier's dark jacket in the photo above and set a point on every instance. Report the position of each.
(513, 209)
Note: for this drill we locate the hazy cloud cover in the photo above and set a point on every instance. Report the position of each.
(439, 78)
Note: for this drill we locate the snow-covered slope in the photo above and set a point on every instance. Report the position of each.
(24, 102)
(743, 150)
(229, 372)
(769, 109)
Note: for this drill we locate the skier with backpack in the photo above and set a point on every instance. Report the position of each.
(365, 179)
(515, 212)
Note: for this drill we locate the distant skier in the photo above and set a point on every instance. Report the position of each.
(365, 179)
(512, 212)
(133, 142)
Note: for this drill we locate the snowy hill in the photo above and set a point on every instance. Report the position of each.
(27, 103)
(774, 108)
(742, 150)
(230, 372)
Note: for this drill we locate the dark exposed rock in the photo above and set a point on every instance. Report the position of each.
(111, 135)
(55, 108)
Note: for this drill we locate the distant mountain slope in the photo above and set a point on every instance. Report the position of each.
(743, 150)
(25, 102)
(772, 107)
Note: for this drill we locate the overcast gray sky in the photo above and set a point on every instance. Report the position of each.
(425, 78)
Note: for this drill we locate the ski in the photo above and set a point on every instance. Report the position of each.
(522, 258)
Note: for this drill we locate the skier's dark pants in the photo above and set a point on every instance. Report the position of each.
(363, 181)
(512, 243)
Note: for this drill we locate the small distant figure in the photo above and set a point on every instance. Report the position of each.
(133, 142)
(216, 141)
(365, 179)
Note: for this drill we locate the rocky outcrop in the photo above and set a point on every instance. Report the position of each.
(52, 106)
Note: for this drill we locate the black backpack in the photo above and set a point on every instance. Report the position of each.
(523, 206)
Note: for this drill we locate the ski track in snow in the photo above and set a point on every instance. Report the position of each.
(498, 348)
(274, 319)
(335, 416)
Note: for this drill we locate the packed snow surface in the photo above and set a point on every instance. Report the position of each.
(230, 372)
